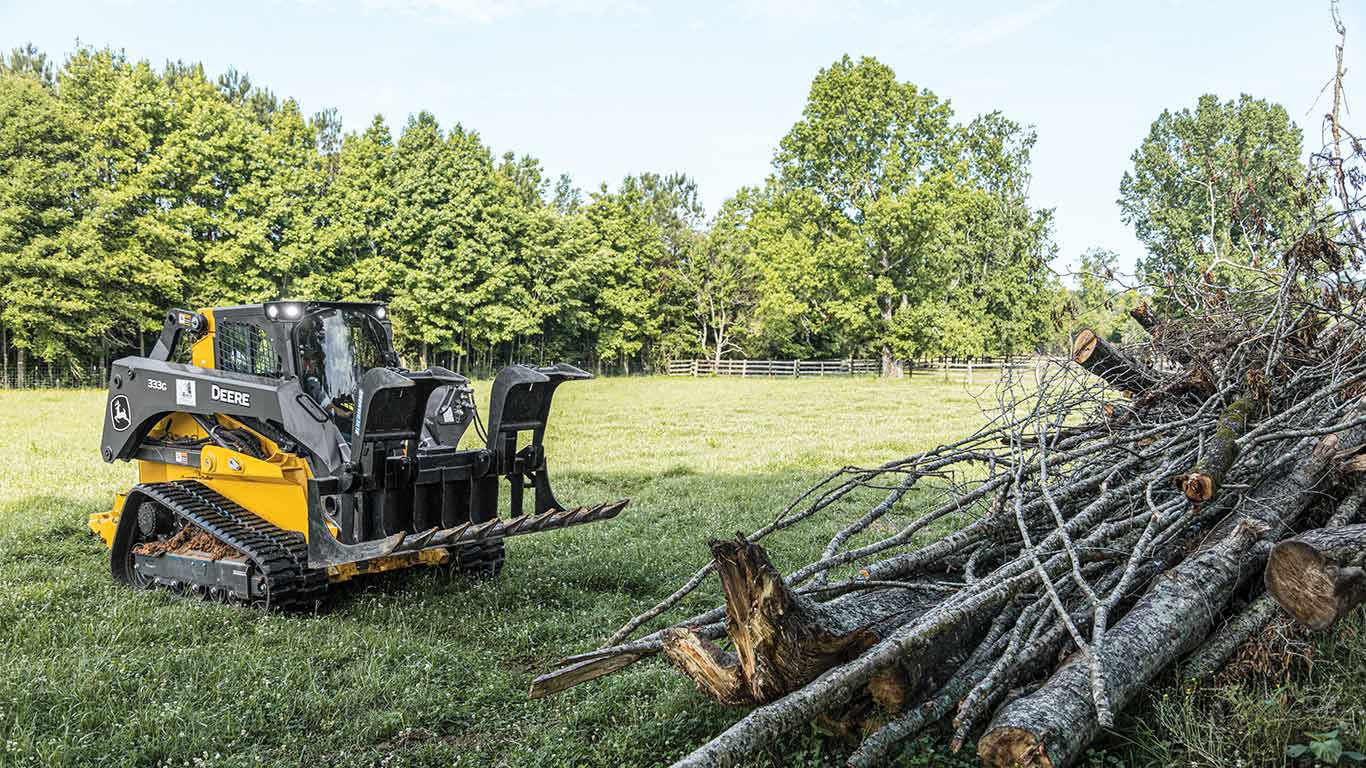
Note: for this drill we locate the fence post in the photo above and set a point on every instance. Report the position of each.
(744, 368)
(1038, 370)
(969, 370)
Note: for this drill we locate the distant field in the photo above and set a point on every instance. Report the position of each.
(425, 668)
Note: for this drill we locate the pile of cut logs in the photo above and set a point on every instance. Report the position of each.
(1149, 507)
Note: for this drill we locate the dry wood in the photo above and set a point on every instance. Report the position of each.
(1112, 364)
(1203, 480)
(1317, 577)
(782, 640)
(1052, 726)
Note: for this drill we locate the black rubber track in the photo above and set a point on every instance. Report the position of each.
(480, 560)
(279, 556)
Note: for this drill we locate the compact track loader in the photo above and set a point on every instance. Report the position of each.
(288, 450)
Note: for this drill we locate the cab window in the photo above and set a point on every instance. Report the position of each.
(335, 349)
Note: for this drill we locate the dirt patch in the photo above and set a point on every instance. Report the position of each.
(190, 538)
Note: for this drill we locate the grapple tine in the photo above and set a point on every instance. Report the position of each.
(394, 544)
(517, 526)
(446, 534)
(420, 540)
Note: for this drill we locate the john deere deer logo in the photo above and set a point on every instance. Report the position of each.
(119, 414)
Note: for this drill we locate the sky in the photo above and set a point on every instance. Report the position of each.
(600, 89)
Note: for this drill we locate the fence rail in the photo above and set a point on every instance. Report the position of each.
(845, 367)
(967, 368)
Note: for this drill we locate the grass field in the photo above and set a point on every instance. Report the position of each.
(429, 669)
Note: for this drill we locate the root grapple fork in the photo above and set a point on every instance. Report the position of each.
(425, 483)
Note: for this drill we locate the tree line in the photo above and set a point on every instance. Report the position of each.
(888, 226)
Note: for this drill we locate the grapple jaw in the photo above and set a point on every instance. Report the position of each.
(409, 486)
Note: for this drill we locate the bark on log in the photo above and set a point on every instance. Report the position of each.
(1052, 726)
(782, 640)
(1220, 646)
(1203, 480)
(1107, 361)
(1317, 577)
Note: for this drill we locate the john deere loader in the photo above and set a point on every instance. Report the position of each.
(287, 450)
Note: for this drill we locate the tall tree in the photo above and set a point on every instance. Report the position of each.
(354, 222)
(28, 61)
(51, 295)
(1215, 185)
(933, 212)
(720, 274)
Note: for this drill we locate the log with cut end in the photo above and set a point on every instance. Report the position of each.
(1051, 727)
(1107, 361)
(1144, 316)
(1221, 450)
(1317, 577)
(783, 640)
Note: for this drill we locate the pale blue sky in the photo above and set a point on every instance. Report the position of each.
(603, 88)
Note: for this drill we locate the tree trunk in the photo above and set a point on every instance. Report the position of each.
(1143, 315)
(19, 367)
(1052, 726)
(891, 367)
(783, 640)
(1317, 577)
(1106, 360)
(1219, 646)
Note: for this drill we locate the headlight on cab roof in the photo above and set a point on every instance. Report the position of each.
(285, 310)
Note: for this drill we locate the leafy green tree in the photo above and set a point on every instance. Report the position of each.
(878, 154)
(900, 228)
(283, 195)
(816, 296)
(28, 61)
(1216, 185)
(51, 292)
(122, 106)
(354, 222)
(624, 243)
(1099, 302)
(719, 272)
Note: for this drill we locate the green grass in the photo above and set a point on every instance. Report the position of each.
(425, 668)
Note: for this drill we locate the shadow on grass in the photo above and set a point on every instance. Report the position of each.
(421, 663)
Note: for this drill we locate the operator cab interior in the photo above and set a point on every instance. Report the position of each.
(335, 347)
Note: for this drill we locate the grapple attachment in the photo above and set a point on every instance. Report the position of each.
(411, 487)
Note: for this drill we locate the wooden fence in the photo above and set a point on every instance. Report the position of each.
(772, 367)
(965, 368)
